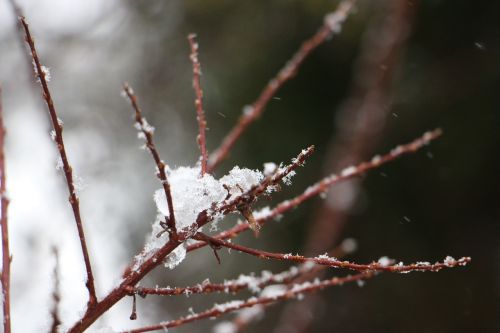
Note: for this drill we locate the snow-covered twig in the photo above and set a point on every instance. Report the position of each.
(249, 197)
(4, 201)
(147, 132)
(200, 114)
(41, 76)
(333, 24)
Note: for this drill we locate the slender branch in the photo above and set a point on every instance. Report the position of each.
(200, 114)
(221, 309)
(325, 183)
(244, 282)
(147, 131)
(56, 296)
(68, 171)
(335, 263)
(5, 228)
(333, 23)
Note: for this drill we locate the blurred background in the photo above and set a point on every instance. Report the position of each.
(396, 70)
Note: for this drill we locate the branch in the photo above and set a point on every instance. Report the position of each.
(333, 23)
(200, 115)
(244, 282)
(5, 228)
(68, 171)
(325, 183)
(221, 309)
(56, 296)
(325, 260)
(147, 131)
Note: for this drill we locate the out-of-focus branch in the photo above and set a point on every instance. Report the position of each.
(68, 171)
(333, 24)
(361, 119)
(359, 126)
(56, 296)
(200, 114)
(147, 132)
(4, 201)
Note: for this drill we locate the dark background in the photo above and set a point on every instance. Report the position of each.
(447, 76)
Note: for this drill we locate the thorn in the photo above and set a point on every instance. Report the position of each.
(216, 254)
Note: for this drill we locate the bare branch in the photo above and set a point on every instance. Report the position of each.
(6, 258)
(143, 126)
(68, 171)
(200, 114)
(333, 23)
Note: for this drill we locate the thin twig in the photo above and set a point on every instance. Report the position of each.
(325, 183)
(143, 126)
(244, 282)
(56, 296)
(221, 309)
(333, 22)
(335, 263)
(5, 228)
(200, 114)
(68, 171)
